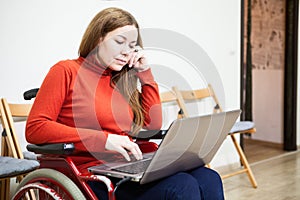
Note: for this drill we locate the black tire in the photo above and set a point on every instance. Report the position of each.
(54, 180)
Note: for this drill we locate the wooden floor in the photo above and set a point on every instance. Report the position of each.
(277, 174)
(256, 150)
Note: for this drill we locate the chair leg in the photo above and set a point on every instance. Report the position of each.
(2, 188)
(5, 189)
(244, 161)
(4, 147)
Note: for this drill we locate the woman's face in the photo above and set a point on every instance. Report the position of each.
(116, 48)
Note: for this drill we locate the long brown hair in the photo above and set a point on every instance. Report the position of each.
(104, 22)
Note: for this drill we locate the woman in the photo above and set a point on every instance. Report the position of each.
(93, 102)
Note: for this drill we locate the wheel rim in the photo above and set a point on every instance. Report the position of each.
(50, 179)
(39, 191)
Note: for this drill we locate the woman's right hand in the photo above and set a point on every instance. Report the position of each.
(122, 144)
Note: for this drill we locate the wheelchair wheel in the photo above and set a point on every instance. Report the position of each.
(47, 184)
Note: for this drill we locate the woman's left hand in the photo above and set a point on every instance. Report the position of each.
(138, 60)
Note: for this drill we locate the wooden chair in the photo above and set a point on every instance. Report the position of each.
(12, 160)
(156, 135)
(185, 96)
(19, 112)
(170, 97)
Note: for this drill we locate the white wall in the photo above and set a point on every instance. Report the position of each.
(36, 34)
(268, 109)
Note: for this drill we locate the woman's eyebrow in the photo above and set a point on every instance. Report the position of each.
(122, 36)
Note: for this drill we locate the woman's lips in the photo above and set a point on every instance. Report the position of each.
(121, 61)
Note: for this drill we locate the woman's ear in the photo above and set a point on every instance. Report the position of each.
(100, 40)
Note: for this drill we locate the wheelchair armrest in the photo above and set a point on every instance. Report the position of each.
(69, 148)
(58, 148)
(30, 94)
(151, 134)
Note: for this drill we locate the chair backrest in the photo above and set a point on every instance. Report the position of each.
(171, 97)
(9, 114)
(7, 141)
(184, 96)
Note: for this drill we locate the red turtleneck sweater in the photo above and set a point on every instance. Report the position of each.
(76, 103)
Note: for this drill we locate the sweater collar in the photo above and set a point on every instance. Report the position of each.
(92, 64)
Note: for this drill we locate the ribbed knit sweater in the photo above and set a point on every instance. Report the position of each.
(76, 103)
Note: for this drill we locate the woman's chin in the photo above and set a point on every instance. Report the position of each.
(116, 67)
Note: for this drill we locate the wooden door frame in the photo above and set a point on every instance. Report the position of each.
(242, 30)
(290, 76)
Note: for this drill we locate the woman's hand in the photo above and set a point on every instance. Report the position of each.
(138, 60)
(122, 144)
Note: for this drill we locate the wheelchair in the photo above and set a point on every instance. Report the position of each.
(63, 172)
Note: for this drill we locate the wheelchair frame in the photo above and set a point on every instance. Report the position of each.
(54, 159)
(61, 177)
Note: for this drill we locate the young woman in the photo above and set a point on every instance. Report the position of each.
(94, 102)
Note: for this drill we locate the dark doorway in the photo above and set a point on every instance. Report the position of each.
(290, 70)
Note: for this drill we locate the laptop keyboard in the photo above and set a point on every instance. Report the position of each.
(134, 167)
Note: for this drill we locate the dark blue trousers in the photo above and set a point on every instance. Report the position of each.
(201, 183)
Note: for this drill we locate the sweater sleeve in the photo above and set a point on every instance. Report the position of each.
(42, 126)
(150, 100)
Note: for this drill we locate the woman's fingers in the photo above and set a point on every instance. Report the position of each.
(138, 60)
(123, 152)
(134, 58)
(123, 144)
(135, 150)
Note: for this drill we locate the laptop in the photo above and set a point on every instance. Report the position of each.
(189, 143)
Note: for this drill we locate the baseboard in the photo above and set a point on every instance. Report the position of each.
(264, 143)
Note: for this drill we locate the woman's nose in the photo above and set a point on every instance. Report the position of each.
(126, 50)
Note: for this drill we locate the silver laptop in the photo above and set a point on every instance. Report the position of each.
(188, 143)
